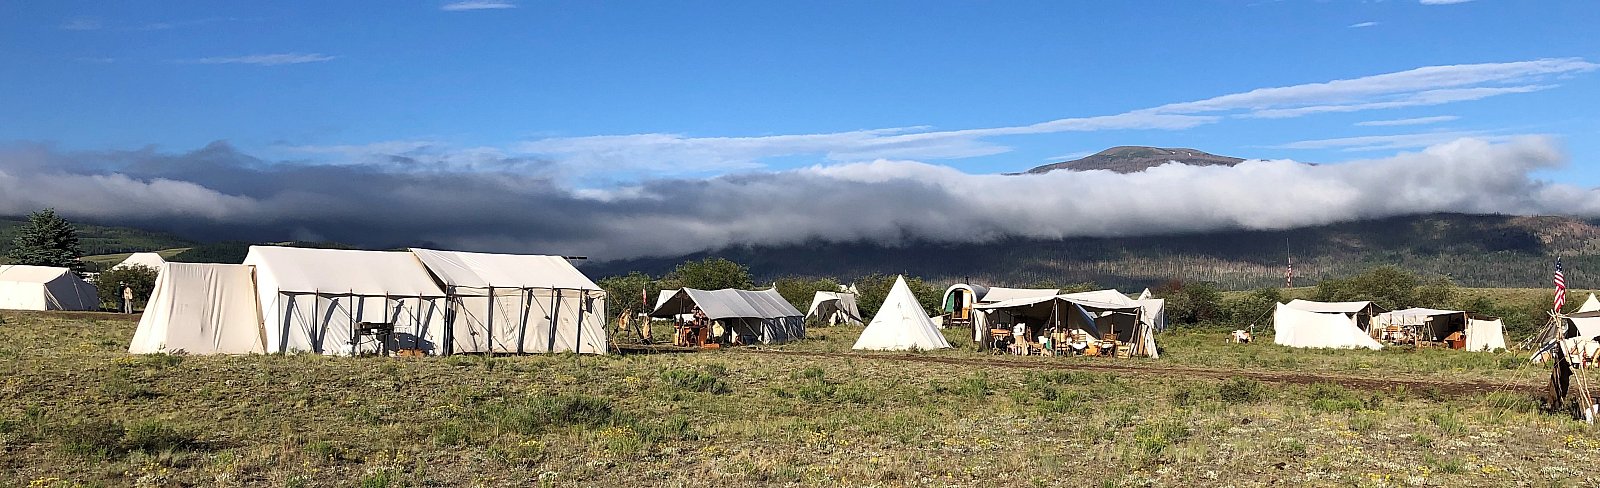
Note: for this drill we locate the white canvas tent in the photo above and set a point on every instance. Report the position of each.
(147, 259)
(312, 300)
(1296, 327)
(201, 309)
(835, 308)
(1480, 334)
(901, 324)
(515, 303)
(753, 316)
(25, 287)
(1587, 326)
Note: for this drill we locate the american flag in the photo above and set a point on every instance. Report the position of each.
(1561, 286)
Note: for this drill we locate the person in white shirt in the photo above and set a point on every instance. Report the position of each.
(1019, 334)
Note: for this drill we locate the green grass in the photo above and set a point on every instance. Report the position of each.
(740, 418)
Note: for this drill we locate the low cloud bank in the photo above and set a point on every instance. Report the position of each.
(219, 193)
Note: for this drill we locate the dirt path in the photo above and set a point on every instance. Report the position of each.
(1450, 388)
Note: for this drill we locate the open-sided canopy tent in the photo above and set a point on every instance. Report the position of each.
(901, 324)
(147, 259)
(201, 309)
(518, 303)
(1296, 327)
(1362, 312)
(1480, 333)
(755, 316)
(1096, 313)
(835, 307)
(45, 288)
(312, 300)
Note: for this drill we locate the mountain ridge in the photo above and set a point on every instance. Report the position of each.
(1133, 159)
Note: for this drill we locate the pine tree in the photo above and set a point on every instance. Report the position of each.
(47, 240)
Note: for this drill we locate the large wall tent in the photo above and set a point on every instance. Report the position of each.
(45, 288)
(509, 303)
(312, 299)
(753, 316)
(835, 307)
(1473, 333)
(201, 309)
(901, 324)
(1297, 327)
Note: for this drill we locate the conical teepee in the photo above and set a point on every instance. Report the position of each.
(901, 324)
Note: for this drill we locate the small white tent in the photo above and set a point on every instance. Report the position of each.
(45, 288)
(1295, 327)
(901, 324)
(146, 259)
(835, 308)
(201, 309)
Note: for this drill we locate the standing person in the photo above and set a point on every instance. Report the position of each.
(1019, 338)
(127, 299)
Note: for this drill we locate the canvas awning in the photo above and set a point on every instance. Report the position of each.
(728, 303)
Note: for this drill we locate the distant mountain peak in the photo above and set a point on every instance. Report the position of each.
(1133, 159)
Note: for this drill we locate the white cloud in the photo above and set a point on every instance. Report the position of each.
(1412, 121)
(221, 193)
(1362, 24)
(83, 25)
(688, 155)
(477, 5)
(268, 59)
(1443, 2)
(1394, 141)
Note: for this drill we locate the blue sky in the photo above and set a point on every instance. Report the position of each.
(271, 77)
(596, 96)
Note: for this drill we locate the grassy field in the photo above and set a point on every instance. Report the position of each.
(76, 410)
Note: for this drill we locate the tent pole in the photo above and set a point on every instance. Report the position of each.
(577, 343)
(491, 321)
(555, 314)
(288, 310)
(522, 326)
(449, 321)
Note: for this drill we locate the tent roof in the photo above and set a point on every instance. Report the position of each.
(1103, 296)
(1000, 294)
(23, 273)
(483, 270)
(372, 273)
(1070, 298)
(1331, 307)
(1590, 305)
(143, 259)
(1422, 312)
(729, 303)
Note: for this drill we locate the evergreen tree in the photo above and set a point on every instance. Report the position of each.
(47, 240)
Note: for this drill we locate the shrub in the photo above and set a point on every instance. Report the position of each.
(1240, 390)
(534, 415)
(692, 380)
(153, 436)
(1327, 397)
(975, 387)
(95, 438)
